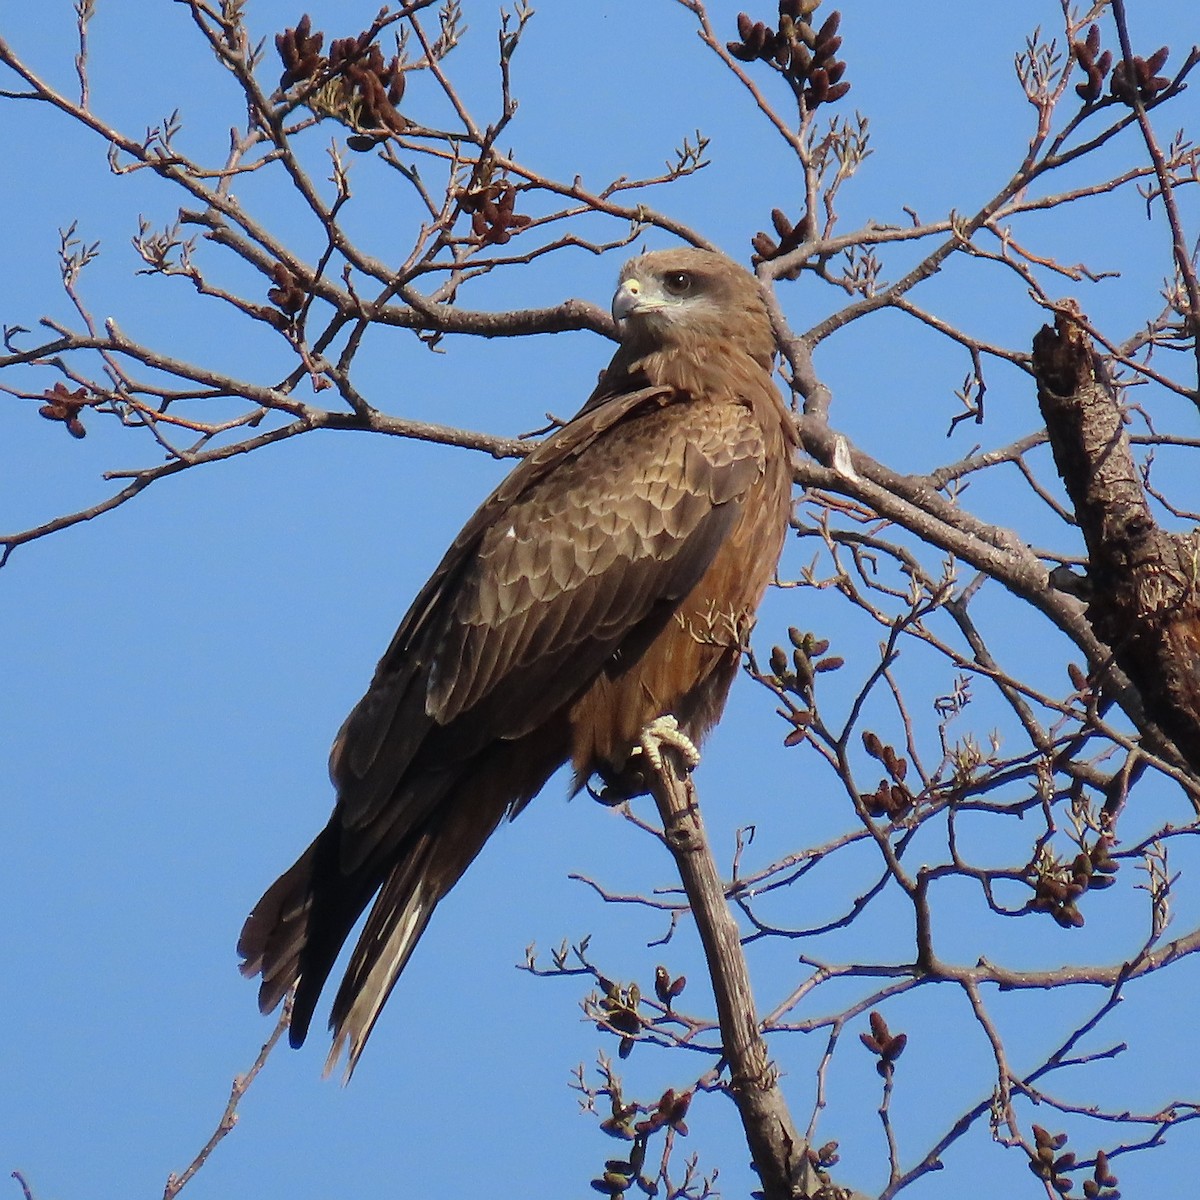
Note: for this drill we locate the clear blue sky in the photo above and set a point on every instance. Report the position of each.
(172, 674)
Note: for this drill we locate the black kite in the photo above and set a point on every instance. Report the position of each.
(607, 582)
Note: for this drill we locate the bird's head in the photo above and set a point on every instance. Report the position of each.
(684, 296)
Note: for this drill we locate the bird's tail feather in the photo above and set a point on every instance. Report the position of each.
(273, 937)
(430, 866)
(294, 933)
(296, 930)
(398, 918)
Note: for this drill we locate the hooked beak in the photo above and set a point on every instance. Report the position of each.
(631, 298)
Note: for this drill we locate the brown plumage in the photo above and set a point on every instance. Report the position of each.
(608, 581)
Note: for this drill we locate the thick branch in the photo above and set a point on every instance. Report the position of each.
(1145, 602)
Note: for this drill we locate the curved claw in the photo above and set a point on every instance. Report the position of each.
(665, 731)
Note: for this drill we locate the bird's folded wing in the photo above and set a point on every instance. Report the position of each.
(601, 531)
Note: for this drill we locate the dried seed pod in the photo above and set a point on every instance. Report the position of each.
(1056, 1141)
(763, 246)
(1053, 889)
(1139, 81)
(760, 41)
(662, 984)
(65, 406)
(1095, 67)
(607, 1187)
(878, 802)
(617, 1128)
(802, 665)
(395, 84)
(272, 316)
(1157, 60)
(1119, 85)
(677, 1111)
(299, 50)
(825, 49)
(830, 27)
(827, 1155)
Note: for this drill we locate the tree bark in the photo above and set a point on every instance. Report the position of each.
(1144, 601)
(779, 1153)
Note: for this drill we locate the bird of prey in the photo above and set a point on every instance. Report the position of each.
(608, 582)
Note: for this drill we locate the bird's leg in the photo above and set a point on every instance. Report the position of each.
(665, 731)
(646, 755)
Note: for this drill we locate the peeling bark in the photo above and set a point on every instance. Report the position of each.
(1145, 599)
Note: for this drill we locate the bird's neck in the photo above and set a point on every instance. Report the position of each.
(702, 369)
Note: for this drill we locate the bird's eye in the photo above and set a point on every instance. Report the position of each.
(677, 282)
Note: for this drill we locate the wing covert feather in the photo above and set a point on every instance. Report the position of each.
(385, 716)
(656, 488)
(585, 542)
